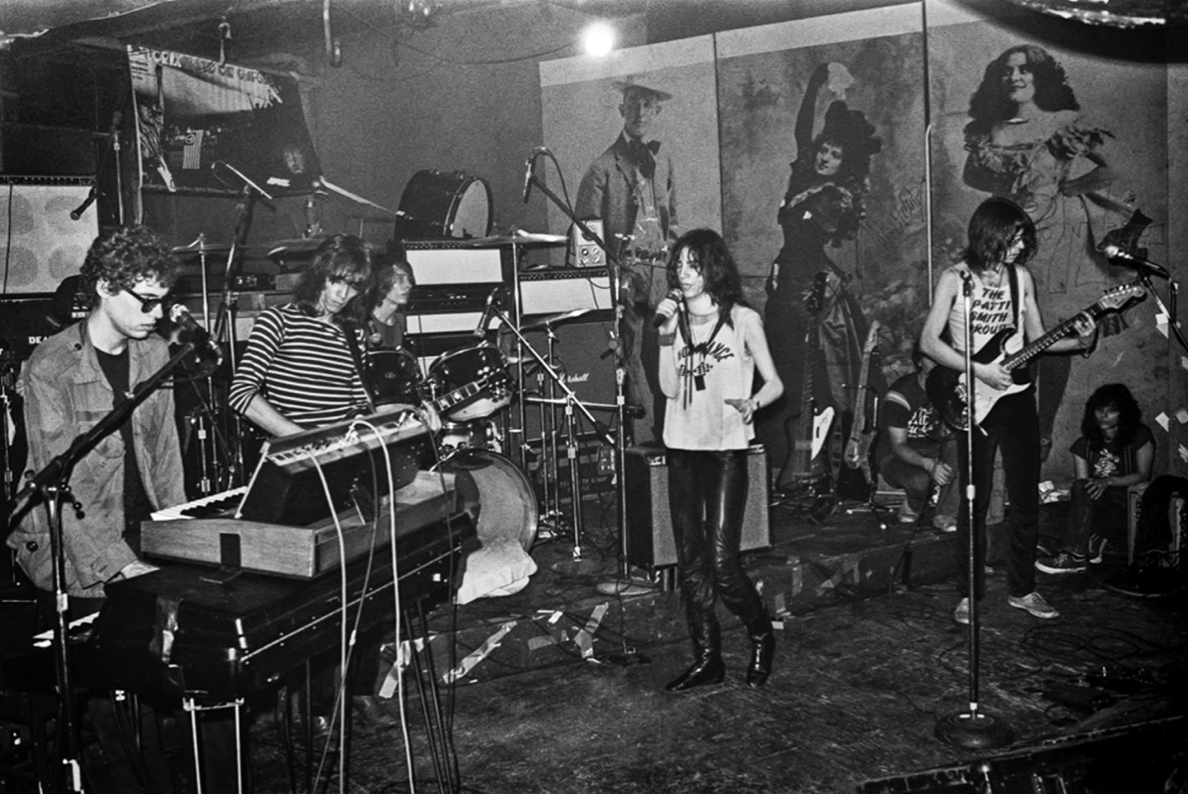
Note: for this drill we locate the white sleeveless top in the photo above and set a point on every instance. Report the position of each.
(991, 310)
(709, 371)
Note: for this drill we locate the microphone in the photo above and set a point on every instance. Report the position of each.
(1116, 252)
(661, 318)
(529, 166)
(242, 176)
(180, 316)
(488, 313)
(77, 212)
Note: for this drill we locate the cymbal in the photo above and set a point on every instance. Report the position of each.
(201, 248)
(299, 247)
(517, 238)
(554, 319)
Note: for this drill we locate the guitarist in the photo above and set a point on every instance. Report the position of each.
(1001, 242)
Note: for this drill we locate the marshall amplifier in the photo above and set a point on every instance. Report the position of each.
(561, 290)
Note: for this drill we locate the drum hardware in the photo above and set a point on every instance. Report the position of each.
(572, 406)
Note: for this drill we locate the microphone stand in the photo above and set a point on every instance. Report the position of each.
(571, 399)
(620, 437)
(973, 729)
(52, 486)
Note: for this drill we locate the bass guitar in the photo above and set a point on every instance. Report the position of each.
(946, 387)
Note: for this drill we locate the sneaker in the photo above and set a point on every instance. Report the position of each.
(944, 524)
(1064, 562)
(906, 514)
(1035, 604)
(961, 613)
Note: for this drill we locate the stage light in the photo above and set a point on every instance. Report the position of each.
(598, 39)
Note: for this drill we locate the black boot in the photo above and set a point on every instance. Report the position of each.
(762, 650)
(707, 657)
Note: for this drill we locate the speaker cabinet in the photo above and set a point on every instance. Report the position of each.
(650, 542)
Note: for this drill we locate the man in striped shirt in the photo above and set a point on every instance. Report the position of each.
(299, 371)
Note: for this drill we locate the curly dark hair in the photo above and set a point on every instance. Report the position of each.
(1111, 395)
(850, 130)
(340, 257)
(715, 263)
(123, 256)
(992, 227)
(990, 103)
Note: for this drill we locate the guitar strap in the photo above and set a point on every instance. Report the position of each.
(352, 341)
(1016, 306)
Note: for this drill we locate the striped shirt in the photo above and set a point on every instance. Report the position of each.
(301, 365)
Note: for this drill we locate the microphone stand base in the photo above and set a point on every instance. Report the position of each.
(974, 731)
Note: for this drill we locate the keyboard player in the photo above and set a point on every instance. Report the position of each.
(72, 380)
(303, 368)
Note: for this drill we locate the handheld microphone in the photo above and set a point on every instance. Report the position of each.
(661, 318)
(488, 313)
(242, 176)
(180, 316)
(77, 212)
(1122, 255)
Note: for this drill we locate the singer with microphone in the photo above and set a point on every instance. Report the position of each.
(72, 379)
(711, 344)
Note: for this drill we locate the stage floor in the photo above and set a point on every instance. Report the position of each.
(563, 683)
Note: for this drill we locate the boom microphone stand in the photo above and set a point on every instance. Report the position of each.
(620, 437)
(973, 729)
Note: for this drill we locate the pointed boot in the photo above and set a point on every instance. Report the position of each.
(762, 650)
(707, 658)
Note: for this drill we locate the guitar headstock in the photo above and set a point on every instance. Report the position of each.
(1117, 297)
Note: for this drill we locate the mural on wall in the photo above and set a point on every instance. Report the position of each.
(636, 134)
(1079, 141)
(822, 161)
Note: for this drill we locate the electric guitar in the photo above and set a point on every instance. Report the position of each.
(862, 431)
(946, 387)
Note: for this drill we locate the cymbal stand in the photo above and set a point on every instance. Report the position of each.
(619, 440)
(548, 437)
(572, 402)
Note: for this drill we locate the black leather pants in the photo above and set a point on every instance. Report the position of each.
(707, 495)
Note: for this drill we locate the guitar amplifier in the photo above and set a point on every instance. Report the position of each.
(552, 291)
(650, 542)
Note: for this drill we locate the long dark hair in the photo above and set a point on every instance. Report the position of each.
(341, 257)
(990, 103)
(716, 264)
(1111, 395)
(993, 225)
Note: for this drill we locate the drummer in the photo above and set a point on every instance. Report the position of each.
(394, 285)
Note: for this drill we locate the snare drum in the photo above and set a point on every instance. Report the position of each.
(395, 377)
(466, 435)
(471, 383)
(436, 205)
(500, 496)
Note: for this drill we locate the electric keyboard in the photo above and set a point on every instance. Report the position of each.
(203, 506)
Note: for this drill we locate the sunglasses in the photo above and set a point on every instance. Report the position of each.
(148, 304)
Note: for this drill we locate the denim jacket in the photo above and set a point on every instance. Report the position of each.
(66, 394)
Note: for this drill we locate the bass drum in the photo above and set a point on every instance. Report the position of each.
(395, 377)
(436, 205)
(493, 489)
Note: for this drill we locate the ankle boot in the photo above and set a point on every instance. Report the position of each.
(707, 658)
(762, 650)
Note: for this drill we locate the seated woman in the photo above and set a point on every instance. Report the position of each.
(1115, 451)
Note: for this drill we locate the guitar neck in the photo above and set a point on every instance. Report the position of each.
(1032, 350)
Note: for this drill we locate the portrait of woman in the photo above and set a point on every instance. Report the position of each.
(821, 208)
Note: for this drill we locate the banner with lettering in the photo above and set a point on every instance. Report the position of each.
(205, 126)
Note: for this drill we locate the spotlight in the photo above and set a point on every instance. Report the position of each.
(598, 39)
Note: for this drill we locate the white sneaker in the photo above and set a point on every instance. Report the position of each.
(1035, 604)
(961, 613)
(906, 514)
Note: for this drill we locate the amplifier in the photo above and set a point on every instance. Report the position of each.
(650, 542)
(445, 262)
(552, 291)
